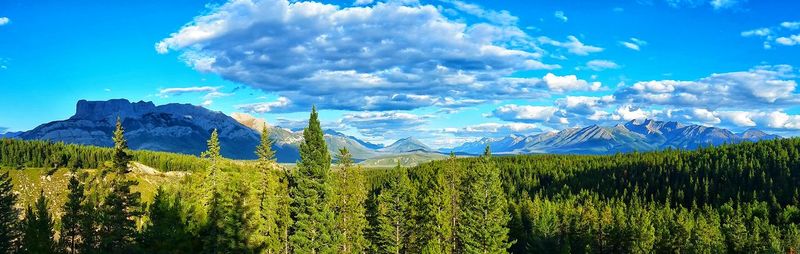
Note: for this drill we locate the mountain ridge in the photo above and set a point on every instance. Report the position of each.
(184, 128)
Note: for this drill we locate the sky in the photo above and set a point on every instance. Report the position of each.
(445, 71)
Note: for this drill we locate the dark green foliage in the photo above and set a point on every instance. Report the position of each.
(120, 157)
(34, 153)
(310, 191)
(484, 215)
(71, 227)
(267, 235)
(166, 231)
(9, 216)
(348, 205)
(37, 228)
(394, 215)
(121, 208)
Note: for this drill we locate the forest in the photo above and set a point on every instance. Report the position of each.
(741, 198)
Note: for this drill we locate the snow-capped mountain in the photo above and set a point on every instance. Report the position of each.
(636, 135)
(184, 128)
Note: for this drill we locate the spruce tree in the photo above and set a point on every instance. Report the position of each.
(484, 214)
(268, 234)
(38, 233)
(214, 237)
(165, 231)
(120, 156)
(394, 214)
(120, 209)
(348, 205)
(9, 216)
(71, 231)
(312, 231)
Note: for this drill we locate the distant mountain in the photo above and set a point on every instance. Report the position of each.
(636, 135)
(405, 145)
(180, 128)
(184, 128)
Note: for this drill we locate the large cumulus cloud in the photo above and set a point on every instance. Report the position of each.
(384, 56)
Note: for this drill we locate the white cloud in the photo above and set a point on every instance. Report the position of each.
(629, 112)
(166, 92)
(634, 43)
(792, 25)
(560, 16)
(502, 17)
(760, 32)
(568, 83)
(4, 21)
(340, 57)
(766, 86)
(383, 123)
(264, 107)
(524, 113)
(362, 2)
(772, 120)
(493, 129)
(573, 45)
(725, 4)
(599, 65)
(630, 45)
(789, 41)
(211, 92)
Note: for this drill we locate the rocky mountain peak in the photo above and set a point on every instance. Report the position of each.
(99, 110)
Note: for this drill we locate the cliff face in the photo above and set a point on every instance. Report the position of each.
(180, 128)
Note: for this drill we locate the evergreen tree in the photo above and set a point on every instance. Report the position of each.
(267, 234)
(394, 214)
(89, 222)
(284, 214)
(121, 207)
(214, 238)
(348, 205)
(449, 179)
(120, 156)
(166, 231)
(310, 193)
(38, 234)
(9, 216)
(71, 231)
(484, 214)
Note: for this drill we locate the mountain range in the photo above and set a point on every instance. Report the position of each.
(184, 128)
(635, 135)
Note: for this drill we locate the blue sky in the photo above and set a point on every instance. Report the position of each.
(444, 71)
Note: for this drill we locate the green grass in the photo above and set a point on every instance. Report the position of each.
(406, 160)
(30, 181)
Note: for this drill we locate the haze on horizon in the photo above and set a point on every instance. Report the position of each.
(444, 71)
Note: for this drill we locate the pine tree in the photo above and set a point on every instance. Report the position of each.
(38, 234)
(268, 234)
(120, 156)
(348, 204)
(71, 231)
(449, 179)
(310, 192)
(394, 214)
(484, 213)
(89, 222)
(166, 231)
(121, 207)
(214, 238)
(9, 216)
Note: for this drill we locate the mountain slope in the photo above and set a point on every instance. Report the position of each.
(180, 128)
(408, 144)
(636, 135)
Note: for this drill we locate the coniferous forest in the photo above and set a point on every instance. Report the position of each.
(742, 198)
